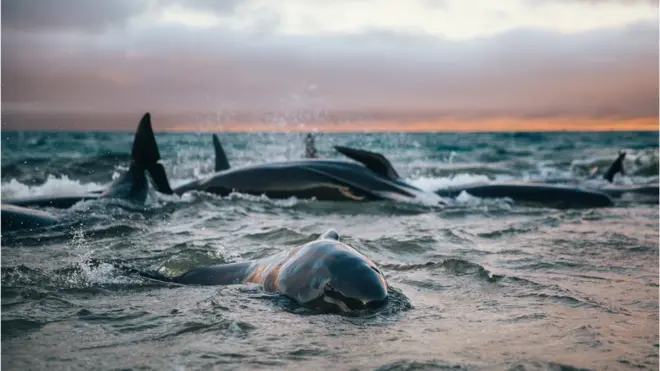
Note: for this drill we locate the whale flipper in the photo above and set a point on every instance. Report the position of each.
(330, 234)
(221, 162)
(159, 178)
(376, 162)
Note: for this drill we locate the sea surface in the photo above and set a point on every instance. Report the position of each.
(483, 284)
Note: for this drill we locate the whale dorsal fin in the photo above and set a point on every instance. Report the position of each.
(145, 150)
(375, 162)
(330, 234)
(616, 167)
(221, 162)
(146, 155)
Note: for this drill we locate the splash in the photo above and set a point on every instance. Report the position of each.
(432, 184)
(53, 185)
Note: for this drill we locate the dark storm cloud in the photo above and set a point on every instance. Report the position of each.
(68, 15)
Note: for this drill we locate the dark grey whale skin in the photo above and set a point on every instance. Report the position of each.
(534, 193)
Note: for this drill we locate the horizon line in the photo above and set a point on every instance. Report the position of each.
(386, 125)
(318, 131)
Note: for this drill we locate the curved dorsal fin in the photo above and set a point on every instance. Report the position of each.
(330, 234)
(146, 155)
(221, 162)
(145, 150)
(376, 162)
(616, 167)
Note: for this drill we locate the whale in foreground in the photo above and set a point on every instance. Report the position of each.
(132, 185)
(325, 274)
(371, 178)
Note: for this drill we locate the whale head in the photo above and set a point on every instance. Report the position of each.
(344, 280)
(354, 284)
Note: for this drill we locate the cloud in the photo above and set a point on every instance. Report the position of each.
(375, 72)
(215, 6)
(69, 15)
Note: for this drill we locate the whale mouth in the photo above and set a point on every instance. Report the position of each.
(346, 304)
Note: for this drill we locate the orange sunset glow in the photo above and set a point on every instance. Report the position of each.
(441, 125)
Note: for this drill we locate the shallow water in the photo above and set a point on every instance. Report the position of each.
(485, 284)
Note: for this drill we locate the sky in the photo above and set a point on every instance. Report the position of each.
(342, 65)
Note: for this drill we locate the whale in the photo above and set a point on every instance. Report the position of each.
(370, 178)
(325, 274)
(649, 193)
(615, 167)
(549, 195)
(554, 194)
(640, 193)
(20, 218)
(132, 185)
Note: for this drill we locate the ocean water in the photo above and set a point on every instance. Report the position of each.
(484, 284)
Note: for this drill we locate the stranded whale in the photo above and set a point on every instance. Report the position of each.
(324, 274)
(371, 178)
(132, 185)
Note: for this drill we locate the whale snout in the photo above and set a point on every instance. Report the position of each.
(377, 302)
(359, 301)
(359, 287)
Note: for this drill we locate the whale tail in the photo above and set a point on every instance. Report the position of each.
(146, 155)
(375, 162)
(133, 184)
(121, 266)
(221, 162)
(616, 167)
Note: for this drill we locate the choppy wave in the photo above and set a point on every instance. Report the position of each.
(485, 284)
